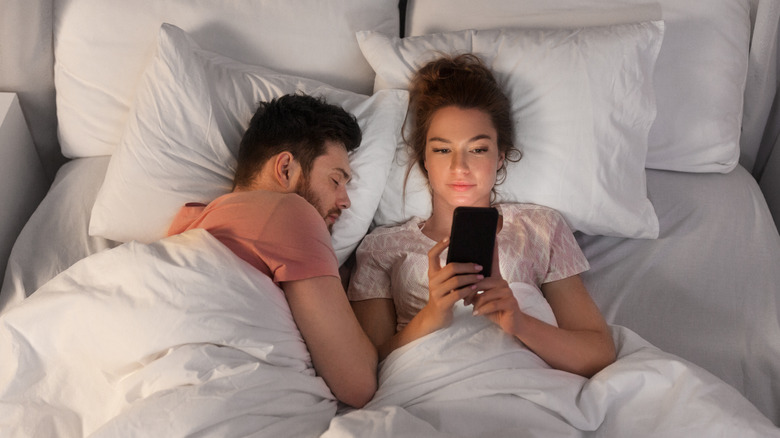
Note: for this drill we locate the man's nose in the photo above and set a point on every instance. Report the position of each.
(343, 201)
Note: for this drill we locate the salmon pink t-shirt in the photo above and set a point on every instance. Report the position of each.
(280, 234)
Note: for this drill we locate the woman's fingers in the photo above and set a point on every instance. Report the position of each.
(453, 281)
(486, 307)
(495, 269)
(497, 296)
(434, 256)
(458, 286)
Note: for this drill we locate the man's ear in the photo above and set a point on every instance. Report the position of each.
(286, 170)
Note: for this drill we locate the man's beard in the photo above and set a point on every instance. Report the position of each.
(303, 189)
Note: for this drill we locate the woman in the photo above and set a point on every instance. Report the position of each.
(461, 137)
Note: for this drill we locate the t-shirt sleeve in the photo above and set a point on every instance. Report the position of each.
(371, 278)
(296, 244)
(566, 257)
(185, 217)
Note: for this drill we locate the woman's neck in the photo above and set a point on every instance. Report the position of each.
(437, 227)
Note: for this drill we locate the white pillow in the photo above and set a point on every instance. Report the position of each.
(700, 74)
(583, 104)
(102, 46)
(190, 113)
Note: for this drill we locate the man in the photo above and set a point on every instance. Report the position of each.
(289, 189)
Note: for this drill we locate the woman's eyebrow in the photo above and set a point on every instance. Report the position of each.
(471, 140)
(439, 139)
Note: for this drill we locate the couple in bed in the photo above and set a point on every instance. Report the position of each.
(292, 172)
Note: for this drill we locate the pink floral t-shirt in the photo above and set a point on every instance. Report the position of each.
(536, 246)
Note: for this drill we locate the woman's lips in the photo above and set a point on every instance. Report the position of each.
(461, 187)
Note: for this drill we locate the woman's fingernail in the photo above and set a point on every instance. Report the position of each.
(475, 312)
(477, 268)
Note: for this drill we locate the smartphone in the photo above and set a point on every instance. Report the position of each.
(472, 236)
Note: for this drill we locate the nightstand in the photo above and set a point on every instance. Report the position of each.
(23, 182)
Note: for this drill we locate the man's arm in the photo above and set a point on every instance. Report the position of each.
(341, 352)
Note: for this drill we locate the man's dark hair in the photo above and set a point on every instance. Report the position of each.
(295, 123)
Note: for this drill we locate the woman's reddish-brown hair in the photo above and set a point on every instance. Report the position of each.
(462, 81)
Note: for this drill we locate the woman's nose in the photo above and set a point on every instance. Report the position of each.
(458, 162)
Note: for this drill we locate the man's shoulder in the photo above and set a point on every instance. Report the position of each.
(269, 200)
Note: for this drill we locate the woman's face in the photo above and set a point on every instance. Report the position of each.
(462, 157)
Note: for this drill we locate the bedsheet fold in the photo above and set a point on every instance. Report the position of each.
(473, 380)
(175, 338)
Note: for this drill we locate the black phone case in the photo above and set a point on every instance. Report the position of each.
(472, 236)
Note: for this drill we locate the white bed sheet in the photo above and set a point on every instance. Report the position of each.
(471, 380)
(707, 290)
(56, 235)
(182, 338)
(176, 338)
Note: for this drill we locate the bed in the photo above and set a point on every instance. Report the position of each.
(644, 123)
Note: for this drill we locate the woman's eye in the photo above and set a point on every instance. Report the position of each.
(480, 150)
(440, 150)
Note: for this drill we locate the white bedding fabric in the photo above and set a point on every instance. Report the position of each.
(175, 338)
(706, 290)
(472, 380)
(181, 338)
(55, 236)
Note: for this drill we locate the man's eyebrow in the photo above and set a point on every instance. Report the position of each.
(344, 173)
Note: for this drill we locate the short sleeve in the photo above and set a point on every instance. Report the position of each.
(371, 278)
(295, 244)
(566, 257)
(282, 235)
(188, 214)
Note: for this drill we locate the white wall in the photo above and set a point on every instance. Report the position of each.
(27, 68)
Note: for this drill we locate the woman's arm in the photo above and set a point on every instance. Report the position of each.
(446, 285)
(341, 352)
(581, 344)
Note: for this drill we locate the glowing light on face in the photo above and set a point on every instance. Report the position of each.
(462, 157)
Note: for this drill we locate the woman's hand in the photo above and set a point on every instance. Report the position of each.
(580, 344)
(496, 300)
(446, 285)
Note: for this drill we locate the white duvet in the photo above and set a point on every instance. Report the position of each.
(472, 380)
(182, 338)
(171, 339)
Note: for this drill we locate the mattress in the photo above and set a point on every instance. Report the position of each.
(705, 290)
